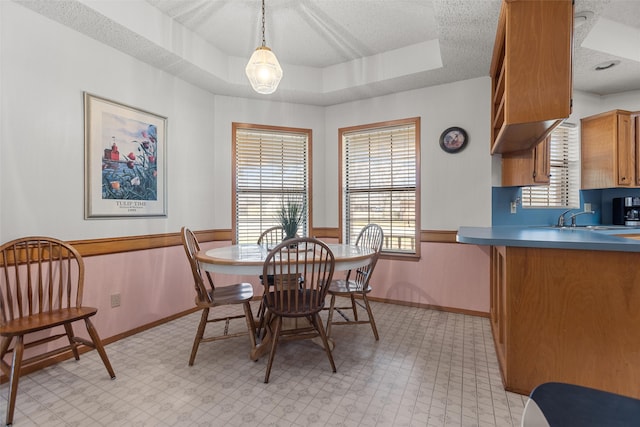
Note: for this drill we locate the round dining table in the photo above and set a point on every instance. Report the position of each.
(248, 259)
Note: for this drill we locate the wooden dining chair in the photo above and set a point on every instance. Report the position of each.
(293, 298)
(41, 286)
(209, 296)
(270, 238)
(356, 284)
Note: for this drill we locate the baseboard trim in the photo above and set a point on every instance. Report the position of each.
(431, 306)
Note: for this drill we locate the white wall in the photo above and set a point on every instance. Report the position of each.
(623, 101)
(229, 110)
(456, 188)
(584, 105)
(45, 68)
(446, 190)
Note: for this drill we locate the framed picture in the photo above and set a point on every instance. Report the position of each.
(125, 160)
(453, 139)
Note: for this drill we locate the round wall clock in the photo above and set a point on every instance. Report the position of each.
(453, 139)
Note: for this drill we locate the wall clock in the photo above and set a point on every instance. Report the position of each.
(453, 139)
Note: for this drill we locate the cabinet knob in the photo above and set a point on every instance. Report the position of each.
(623, 178)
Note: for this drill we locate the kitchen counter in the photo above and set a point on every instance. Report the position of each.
(600, 238)
(565, 304)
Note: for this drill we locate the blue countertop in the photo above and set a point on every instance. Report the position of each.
(585, 238)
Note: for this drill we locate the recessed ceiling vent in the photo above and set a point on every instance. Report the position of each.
(581, 18)
(606, 65)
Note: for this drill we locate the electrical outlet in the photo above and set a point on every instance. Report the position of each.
(587, 207)
(115, 300)
(514, 207)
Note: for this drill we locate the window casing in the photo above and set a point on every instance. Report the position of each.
(563, 190)
(379, 183)
(270, 165)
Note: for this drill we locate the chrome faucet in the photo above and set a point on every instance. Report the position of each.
(561, 218)
(573, 217)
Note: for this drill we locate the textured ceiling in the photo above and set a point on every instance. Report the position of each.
(333, 51)
(303, 32)
(625, 76)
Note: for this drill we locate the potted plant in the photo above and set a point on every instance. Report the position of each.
(290, 216)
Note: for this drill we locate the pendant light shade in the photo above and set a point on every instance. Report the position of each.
(263, 70)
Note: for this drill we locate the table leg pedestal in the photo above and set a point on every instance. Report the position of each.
(264, 346)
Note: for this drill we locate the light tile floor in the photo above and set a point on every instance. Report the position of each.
(430, 368)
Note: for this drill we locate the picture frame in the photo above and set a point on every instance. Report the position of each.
(453, 139)
(125, 160)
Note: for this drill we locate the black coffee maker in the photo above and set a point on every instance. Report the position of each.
(626, 211)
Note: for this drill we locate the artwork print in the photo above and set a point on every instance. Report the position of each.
(125, 155)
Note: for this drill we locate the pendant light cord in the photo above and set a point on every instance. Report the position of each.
(263, 41)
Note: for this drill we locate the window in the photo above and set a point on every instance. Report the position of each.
(270, 166)
(564, 186)
(380, 172)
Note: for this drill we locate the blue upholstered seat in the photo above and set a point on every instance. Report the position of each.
(568, 405)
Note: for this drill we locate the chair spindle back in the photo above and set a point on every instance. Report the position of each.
(302, 269)
(272, 236)
(39, 275)
(191, 247)
(372, 237)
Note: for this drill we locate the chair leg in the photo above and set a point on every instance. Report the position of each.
(274, 344)
(353, 307)
(251, 325)
(199, 335)
(16, 364)
(97, 342)
(370, 314)
(318, 324)
(4, 346)
(72, 343)
(332, 307)
(261, 315)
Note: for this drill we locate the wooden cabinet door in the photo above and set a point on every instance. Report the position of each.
(542, 162)
(626, 152)
(608, 151)
(533, 44)
(530, 167)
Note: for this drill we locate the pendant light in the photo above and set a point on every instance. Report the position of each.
(263, 70)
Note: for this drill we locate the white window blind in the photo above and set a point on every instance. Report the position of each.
(379, 184)
(564, 186)
(271, 167)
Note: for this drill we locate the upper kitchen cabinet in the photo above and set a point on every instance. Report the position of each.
(530, 72)
(609, 151)
(529, 167)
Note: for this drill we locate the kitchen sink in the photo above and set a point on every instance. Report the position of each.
(585, 227)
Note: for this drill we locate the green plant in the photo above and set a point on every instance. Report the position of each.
(290, 215)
